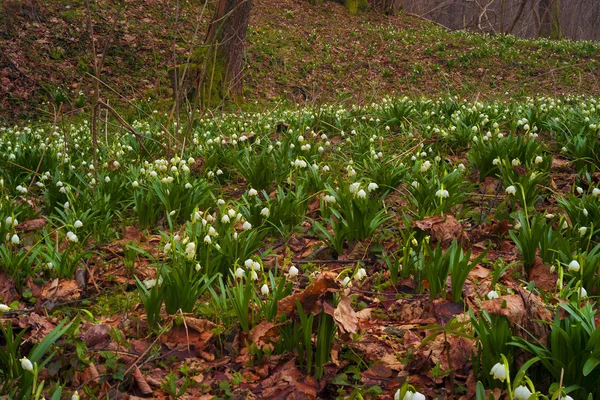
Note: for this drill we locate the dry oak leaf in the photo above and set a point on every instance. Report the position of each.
(31, 225)
(442, 229)
(344, 315)
(510, 306)
(61, 290)
(140, 380)
(310, 298)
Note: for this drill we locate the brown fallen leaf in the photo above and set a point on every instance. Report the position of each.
(140, 381)
(344, 315)
(310, 298)
(31, 225)
(510, 306)
(442, 229)
(61, 290)
(541, 275)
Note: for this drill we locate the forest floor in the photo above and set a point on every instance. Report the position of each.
(395, 204)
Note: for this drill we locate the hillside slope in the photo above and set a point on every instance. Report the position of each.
(296, 53)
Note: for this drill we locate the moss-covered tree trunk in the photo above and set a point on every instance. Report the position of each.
(354, 6)
(214, 73)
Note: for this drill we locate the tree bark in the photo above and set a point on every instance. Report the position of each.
(214, 73)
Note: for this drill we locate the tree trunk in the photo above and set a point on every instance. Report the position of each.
(354, 6)
(214, 73)
(549, 12)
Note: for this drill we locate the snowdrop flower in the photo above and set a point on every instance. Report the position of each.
(78, 224)
(574, 266)
(248, 263)
(442, 193)
(225, 219)
(26, 364)
(511, 190)
(360, 274)
(582, 293)
(579, 190)
(21, 189)
(325, 168)
(10, 221)
(212, 231)
(4, 308)
(190, 250)
(198, 267)
(595, 192)
(75, 396)
(253, 275)
(582, 230)
(264, 289)
(231, 212)
(329, 199)
(167, 247)
(220, 202)
(219, 172)
(567, 397)
(239, 273)
(361, 194)
(412, 396)
(207, 239)
(351, 172)
(252, 192)
(415, 184)
(265, 212)
(354, 187)
(293, 271)
(188, 185)
(107, 179)
(538, 159)
(522, 393)
(67, 205)
(499, 372)
(496, 160)
(135, 184)
(255, 265)
(346, 281)
(372, 186)
(516, 162)
(246, 225)
(15, 239)
(492, 294)
(425, 166)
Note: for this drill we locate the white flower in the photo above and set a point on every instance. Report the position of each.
(207, 239)
(190, 250)
(219, 172)
(246, 225)
(354, 187)
(255, 265)
(135, 184)
(415, 184)
(239, 273)
(511, 190)
(538, 159)
(107, 179)
(351, 171)
(264, 289)
(372, 186)
(522, 393)
(231, 212)
(361, 194)
(248, 263)
(346, 281)
(220, 202)
(252, 192)
(212, 231)
(15, 239)
(360, 274)
(188, 185)
(417, 396)
(21, 189)
(499, 372)
(574, 266)
(167, 247)
(442, 193)
(265, 212)
(225, 219)
(492, 294)
(4, 308)
(198, 267)
(582, 230)
(26, 364)
(67, 205)
(567, 397)
(75, 396)
(585, 212)
(293, 271)
(425, 166)
(253, 275)
(329, 199)
(78, 224)
(595, 192)
(515, 162)
(582, 293)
